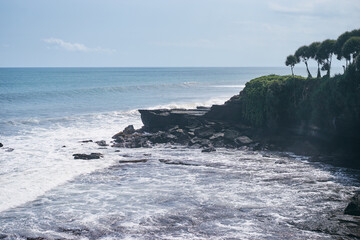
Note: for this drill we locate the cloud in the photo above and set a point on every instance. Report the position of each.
(76, 47)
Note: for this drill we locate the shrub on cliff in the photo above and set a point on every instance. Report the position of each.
(284, 101)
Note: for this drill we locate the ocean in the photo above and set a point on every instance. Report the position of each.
(47, 113)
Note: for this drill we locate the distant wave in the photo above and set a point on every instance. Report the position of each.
(228, 86)
(9, 97)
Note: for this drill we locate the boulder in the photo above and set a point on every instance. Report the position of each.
(1, 145)
(243, 140)
(133, 161)
(129, 130)
(231, 134)
(209, 149)
(353, 208)
(102, 143)
(87, 156)
(204, 132)
(217, 136)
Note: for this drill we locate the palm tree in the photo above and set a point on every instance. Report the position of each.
(313, 49)
(303, 53)
(325, 53)
(291, 60)
(351, 48)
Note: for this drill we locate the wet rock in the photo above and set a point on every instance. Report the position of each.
(162, 137)
(280, 162)
(243, 140)
(86, 141)
(87, 156)
(63, 146)
(231, 134)
(9, 149)
(102, 143)
(353, 208)
(129, 130)
(1, 145)
(125, 155)
(177, 162)
(117, 150)
(209, 149)
(2, 236)
(74, 231)
(205, 132)
(133, 161)
(217, 136)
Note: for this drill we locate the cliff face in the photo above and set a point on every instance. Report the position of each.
(326, 110)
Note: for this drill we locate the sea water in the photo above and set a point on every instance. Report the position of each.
(47, 113)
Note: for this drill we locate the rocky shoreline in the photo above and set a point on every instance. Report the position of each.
(198, 128)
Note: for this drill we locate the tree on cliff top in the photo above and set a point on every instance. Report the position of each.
(351, 48)
(291, 60)
(341, 41)
(325, 53)
(303, 53)
(313, 49)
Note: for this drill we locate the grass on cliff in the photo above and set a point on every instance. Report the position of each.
(279, 101)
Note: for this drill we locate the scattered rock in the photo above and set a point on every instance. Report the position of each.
(87, 156)
(133, 161)
(86, 141)
(217, 136)
(280, 162)
(125, 155)
(243, 140)
(63, 146)
(177, 162)
(353, 208)
(129, 130)
(204, 132)
(117, 150)
(9, 149)
(209, 149)
(231, 134)
(102, 143)
(1, 145)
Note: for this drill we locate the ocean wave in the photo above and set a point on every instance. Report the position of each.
(43, 94)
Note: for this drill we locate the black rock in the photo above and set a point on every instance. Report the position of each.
(231, 134)
(129, 130)
(87, 156)
(86, 141)
(133, 161)
(1, 145)
(102, 143)
(243, 140)
(9, 149)
(204, 132)
(353, 208)
(178, 162)
(2, 236)
(209, 149)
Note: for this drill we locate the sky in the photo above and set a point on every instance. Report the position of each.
(166, 33)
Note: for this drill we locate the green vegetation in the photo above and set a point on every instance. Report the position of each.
(346, 46)
(330, 104)
(285, 101)
(291, 60)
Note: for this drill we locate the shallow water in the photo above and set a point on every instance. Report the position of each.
(229, 194)
(179, 193)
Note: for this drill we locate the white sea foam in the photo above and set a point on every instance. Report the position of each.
(39, 161)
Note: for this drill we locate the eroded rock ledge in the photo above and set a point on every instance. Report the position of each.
(186, 127)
